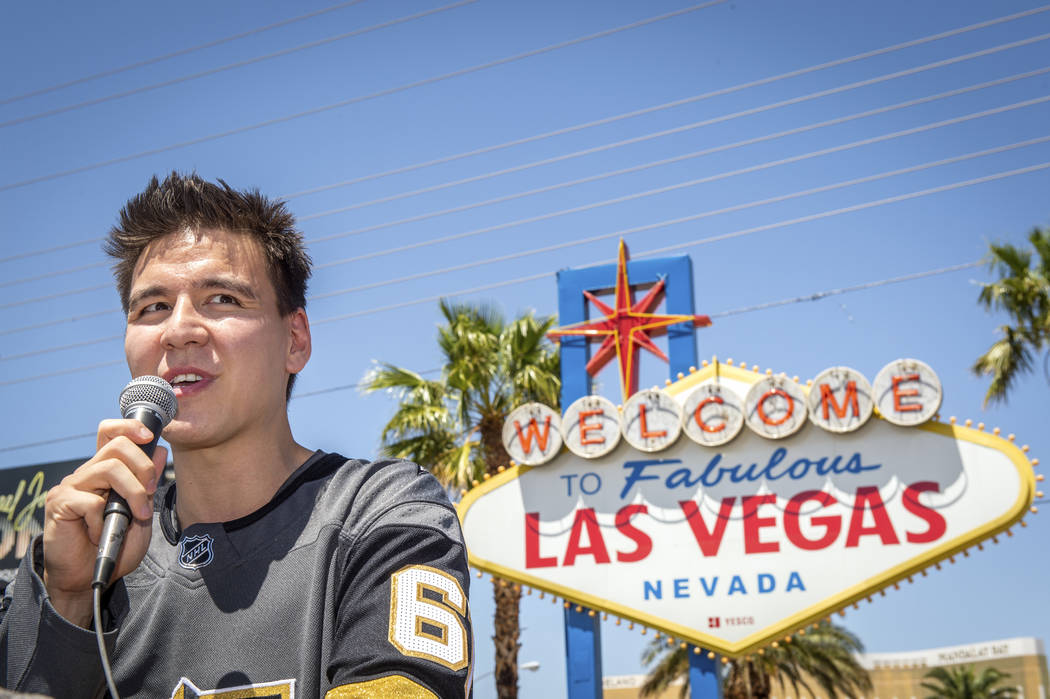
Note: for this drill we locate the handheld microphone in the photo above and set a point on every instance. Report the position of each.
(151, 401)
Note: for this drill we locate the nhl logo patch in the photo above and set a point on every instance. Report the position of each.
(196, 552)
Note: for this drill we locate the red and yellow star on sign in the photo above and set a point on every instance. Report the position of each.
(626, 328)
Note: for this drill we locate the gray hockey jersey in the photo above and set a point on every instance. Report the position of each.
(351, 582)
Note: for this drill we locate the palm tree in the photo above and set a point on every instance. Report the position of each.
(1023, 291)
(960, 683)
(454, 424)
(825, 655)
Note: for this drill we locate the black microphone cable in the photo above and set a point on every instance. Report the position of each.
(151, 401)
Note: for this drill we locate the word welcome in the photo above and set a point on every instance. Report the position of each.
(907, 392)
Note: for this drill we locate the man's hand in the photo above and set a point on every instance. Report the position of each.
(73, 515)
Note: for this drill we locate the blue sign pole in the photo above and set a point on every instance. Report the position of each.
(583, 651)
(703, 677)
(583, 645)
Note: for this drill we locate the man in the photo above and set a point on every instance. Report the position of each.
(266, 569)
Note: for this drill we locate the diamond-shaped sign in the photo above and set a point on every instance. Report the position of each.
(735, 545)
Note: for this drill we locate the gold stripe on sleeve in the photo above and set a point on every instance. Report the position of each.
(392, 687)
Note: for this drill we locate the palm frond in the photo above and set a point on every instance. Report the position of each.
(825, 655)
(1004, 362)
(1023, 292)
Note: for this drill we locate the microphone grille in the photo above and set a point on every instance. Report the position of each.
(153, 391)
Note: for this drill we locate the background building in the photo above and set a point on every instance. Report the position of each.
(900, 675)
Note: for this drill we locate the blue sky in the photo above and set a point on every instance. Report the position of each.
(418, 115)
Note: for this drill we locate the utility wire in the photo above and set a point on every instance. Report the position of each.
(679, 129)
(675, 103)
(61, 372)
(231, 66)
(59, 273)
(46, 251)
(678, 158)
(68, 319)
(175, 54)
(706, 214)
(657, 251)
(45, 442)
(702, 180)
(847, 209)
(675, 221)
(361, 98)
(294, 396)
(651, 192)
(847, 289)
(700, 241)
(619, 117)
(612, 173)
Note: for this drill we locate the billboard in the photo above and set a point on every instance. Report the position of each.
(22, 493)
(734, 507)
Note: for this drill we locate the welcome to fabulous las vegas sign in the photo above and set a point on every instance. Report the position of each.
(733, 507)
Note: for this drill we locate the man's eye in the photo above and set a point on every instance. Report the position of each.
(225, 298)
(156, 306)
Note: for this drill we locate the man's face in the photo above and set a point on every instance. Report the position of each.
(203, 315)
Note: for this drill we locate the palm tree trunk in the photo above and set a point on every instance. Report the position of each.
(507, 595)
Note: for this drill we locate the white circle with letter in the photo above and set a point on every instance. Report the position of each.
(532, 434)
(907, 392)
(591, 427)
(712, 415)
(652, 420)
(775, 407)
(840, 400)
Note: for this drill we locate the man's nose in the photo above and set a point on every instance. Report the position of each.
(184, 326)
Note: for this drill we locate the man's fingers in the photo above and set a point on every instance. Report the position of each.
(72, 505)
(114, 474)
(131, 455)
(134, 430)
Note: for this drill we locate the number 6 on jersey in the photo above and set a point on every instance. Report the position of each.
(427, 608)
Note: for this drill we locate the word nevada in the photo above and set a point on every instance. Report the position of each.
(906, 392)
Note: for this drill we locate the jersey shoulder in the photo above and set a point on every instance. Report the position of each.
(367, 495)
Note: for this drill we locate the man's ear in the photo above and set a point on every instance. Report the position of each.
(300, 345)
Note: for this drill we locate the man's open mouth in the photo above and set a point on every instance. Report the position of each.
(186, 380)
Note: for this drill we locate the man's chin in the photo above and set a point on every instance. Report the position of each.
(186, 436)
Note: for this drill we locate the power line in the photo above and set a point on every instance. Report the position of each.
(675, 103)
(847, 289)
(679, 129)
(45, 251)
(686, 156)
(701, 241)
(231, 66)
(49, 323)
(57, 294)
(616, 200)
(45, 442)
(361, 98)
(728, 209)
(294, 396)
(612, 173)
(675, 221)
(689, 183)
(657, 251)
(60, 348)
(619, 117)
(61, 372)
(61, 272)
(854, 208)
(175, 54)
